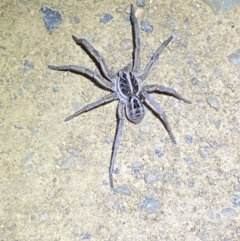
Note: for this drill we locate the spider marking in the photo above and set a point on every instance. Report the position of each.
(125, 86)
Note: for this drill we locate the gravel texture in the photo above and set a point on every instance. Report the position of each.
(54, 175)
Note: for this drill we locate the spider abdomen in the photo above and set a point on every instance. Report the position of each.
(135, 109)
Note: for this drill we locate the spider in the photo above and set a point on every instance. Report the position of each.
(125, 86)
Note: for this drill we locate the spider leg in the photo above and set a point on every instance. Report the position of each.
(106, 99)
(157, 109)
(120, 114)
(154, 59)
(84, 71)
(108, 74)
(165, 90)
(136, 41)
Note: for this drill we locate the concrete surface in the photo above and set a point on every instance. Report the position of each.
(54, 175)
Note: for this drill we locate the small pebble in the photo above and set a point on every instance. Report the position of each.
(191, 184)
(230, 86)
(145, 202)
(159, 153)
(189, 139)
(13, 97)
(136, 170)
(20, 92)
(221, 6)
(123, 190)
(136, 167)
(79, 164)
(144, 127)
(32, 12)
(213, 102)
(27, 66)
(106, 18)
(188, 160)
(217, 73)
(147, 27)
(194, 81)
(40, 113)
(51, 18)
(191, 71)
(55, 89)
(116, 171)
(85, 236)
(237, 188)
(76, 19)
(232, 25)
(141, 3)
(76, 105)
(153, 206)
(128, 10)
(150, 178)
(44, 216)
(21, 3)
(26, 83)
(190, 59)
(195, 6)
(204, 152)
(184, 43)
(109, 140)
(209, 38)
(17, 127)
(229, 212)
(126, 44)
(217, 123)
(168, 175)
(28, 157)
(236, 200)
(119, 9)
(74, 151)
(30, 168)
(61, 208)
(234, 58)
(235, 173)
(65, 162)
(9, 225)
(188, 26)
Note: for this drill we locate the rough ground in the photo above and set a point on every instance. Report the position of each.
(54, 175)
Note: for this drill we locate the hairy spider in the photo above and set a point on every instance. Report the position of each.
(125, 86)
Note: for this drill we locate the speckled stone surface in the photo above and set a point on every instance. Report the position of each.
(54, 175)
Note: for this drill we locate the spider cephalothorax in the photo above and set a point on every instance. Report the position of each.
(125, 86)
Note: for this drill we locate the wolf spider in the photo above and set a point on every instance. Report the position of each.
(125, 86)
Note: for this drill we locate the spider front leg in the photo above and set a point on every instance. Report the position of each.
(136, 41)
(120, 114)
(154, 59)
(84, 71)
(106, 99)
(108, 74)
(157, 109)
(165, 90)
